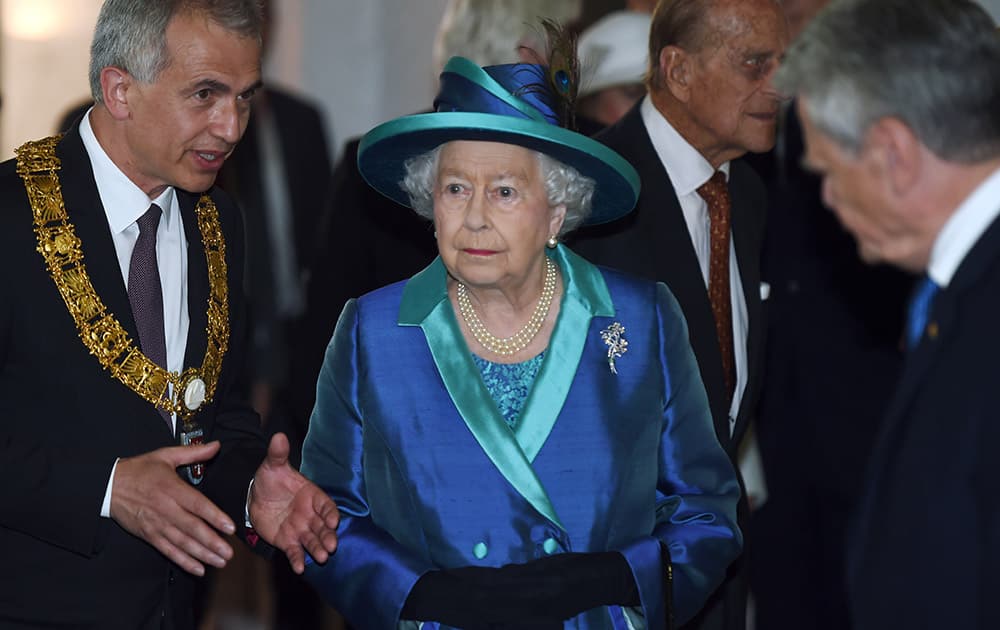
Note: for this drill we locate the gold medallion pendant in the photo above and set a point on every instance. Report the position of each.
(181, 394)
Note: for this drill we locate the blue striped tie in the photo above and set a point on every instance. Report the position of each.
(919, 311)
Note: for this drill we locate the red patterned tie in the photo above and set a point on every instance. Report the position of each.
(715, 192)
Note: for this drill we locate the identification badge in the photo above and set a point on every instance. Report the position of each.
(193, 435)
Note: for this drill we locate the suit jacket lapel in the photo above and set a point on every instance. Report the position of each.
(747, 224)
(197, 282)
(677, 264)
(915, 369)
(86, 213)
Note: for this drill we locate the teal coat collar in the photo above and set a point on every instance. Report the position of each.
(425, 304)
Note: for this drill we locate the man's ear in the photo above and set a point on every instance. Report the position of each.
(115, 85)
(900, 152)
(675, 70)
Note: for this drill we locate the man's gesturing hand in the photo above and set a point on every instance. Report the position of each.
(289, 511)
(152, 502)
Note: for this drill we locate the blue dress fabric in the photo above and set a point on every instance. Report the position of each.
(428, 474)
(509, 383)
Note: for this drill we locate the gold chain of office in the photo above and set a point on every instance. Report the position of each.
(100, 332)
(509, 346)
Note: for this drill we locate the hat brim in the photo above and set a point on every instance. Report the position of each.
(384, 149)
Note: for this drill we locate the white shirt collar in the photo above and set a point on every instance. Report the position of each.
(687, 168)
(123, 201)
(963, 229)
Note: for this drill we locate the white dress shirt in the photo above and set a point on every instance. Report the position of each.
(124, 203)
(963, 229)
(688, 170)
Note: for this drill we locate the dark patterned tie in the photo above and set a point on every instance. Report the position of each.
(715, 192)
(146, 295)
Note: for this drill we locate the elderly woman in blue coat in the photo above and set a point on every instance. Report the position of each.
(514, 437)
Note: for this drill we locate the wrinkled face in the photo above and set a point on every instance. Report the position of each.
(491, 214)
(184, 124)
(732, 104)
(857, 189)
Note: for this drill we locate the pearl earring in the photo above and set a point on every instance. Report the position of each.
(552, 242)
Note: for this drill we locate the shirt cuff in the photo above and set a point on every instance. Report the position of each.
(246, 508)
(106, 505)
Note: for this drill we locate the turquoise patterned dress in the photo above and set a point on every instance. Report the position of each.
(509, 384)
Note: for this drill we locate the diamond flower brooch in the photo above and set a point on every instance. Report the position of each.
(614, 337)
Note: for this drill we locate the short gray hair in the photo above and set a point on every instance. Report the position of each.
(564, 185)
(132, 34)
(933, 64)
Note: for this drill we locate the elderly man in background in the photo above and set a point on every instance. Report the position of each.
(699, 222)
(899, 102)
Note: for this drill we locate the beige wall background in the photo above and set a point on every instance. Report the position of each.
(44, 64)
(362, 62)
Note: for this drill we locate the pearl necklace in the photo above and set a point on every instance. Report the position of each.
(517, 342)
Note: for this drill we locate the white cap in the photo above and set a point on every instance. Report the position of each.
(993, 8)
(613, 51)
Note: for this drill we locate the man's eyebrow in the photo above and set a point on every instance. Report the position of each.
(224, 88)
(254, 87)
(212, 84)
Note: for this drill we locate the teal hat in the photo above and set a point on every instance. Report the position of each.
(509, 103)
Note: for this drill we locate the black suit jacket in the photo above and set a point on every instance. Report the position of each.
(305, 157)
(653, 241)
(833, 326)
(64, 420)
(927, 543)
(369, 241)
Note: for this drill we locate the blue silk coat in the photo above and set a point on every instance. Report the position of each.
(426, 473)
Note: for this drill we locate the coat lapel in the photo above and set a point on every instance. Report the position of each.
(677, 265)
(425, 304)
(86, 213)
(197, 282)
(747, 223)
(915, 369)
(585, 297)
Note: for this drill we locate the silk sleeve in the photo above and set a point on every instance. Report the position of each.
(697, 489)
(371, 574)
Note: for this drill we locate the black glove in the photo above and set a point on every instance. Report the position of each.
(537, 594)
(461, 598)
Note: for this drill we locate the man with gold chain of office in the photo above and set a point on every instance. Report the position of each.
(121, 338)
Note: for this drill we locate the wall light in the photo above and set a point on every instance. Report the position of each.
(35, 19)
